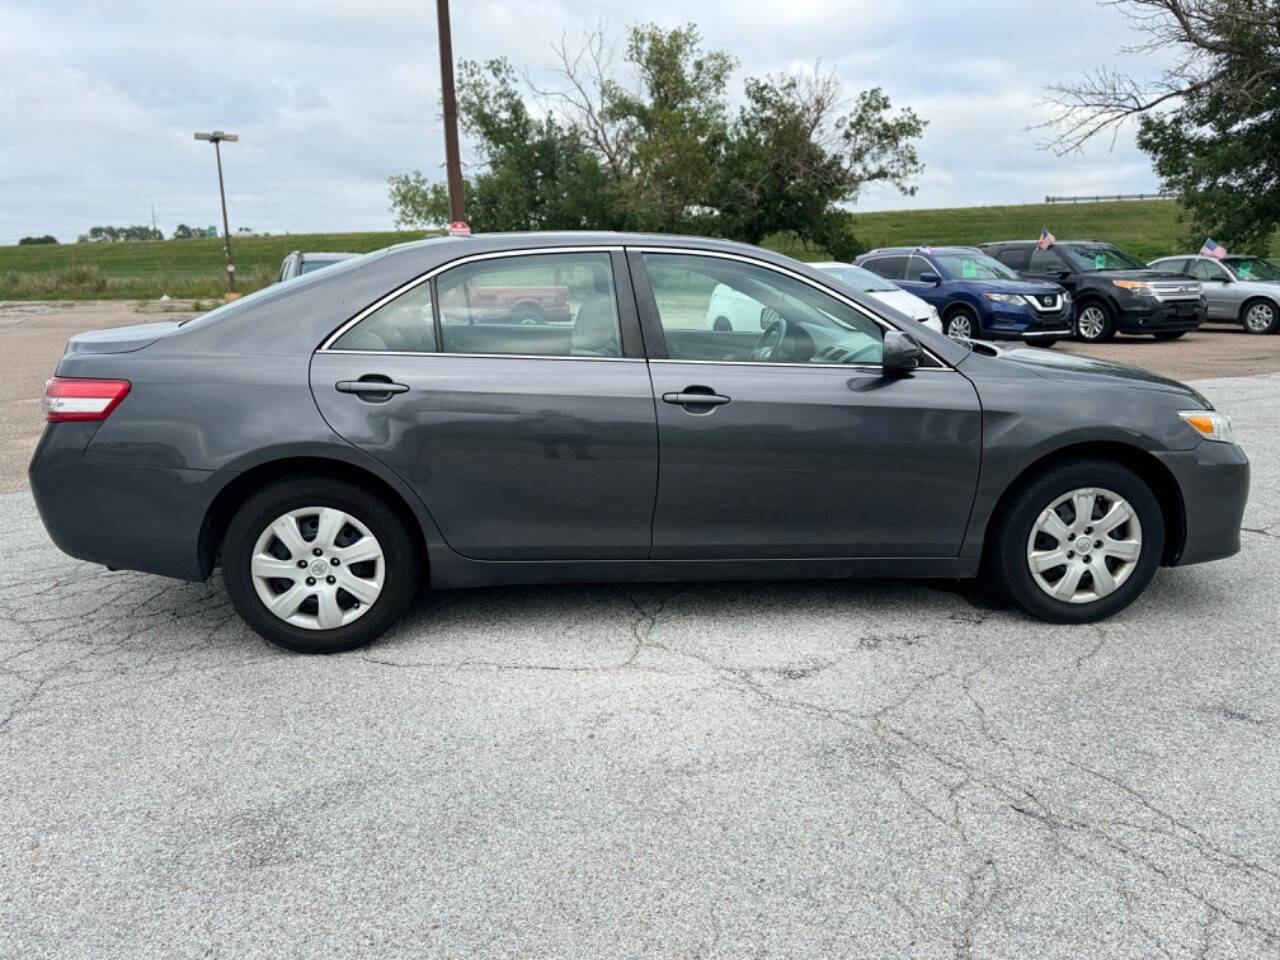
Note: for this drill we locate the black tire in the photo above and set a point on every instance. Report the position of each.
(1098, 327)
(526, 313)
(1007, 555)
(1170, 335)
(1258, 307)
(400, 560)
(960, 318)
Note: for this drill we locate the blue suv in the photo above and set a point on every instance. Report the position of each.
(977, 297)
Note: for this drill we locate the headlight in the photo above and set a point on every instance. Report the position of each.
(1015, 298)
(1066, 297)
(933, 313)
(1136, 287)
(1210, 424)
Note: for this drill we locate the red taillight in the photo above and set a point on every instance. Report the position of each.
(74, 398)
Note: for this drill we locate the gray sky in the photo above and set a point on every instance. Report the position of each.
(98, 101)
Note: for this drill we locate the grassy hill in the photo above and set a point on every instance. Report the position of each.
(194, 268)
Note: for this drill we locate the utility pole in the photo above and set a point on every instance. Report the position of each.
(452, 160)
(216, 138)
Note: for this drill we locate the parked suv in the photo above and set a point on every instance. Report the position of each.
(976, 296)
(1243, 290)
(1113, 292)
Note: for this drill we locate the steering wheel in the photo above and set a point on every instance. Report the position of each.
(783, 342)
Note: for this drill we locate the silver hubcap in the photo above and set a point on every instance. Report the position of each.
(959, 327)
(1084, 545)
(317, 568)
(1091, 323)
(1259, 316)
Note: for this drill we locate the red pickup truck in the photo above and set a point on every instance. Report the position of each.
(479, 303)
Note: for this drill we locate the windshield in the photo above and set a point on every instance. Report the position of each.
(1096, 256)
(863, 280)
(1253, 268)
(974, 266)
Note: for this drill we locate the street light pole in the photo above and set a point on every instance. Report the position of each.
(452, 160)
(216, 138)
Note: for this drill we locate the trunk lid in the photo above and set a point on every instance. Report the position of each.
(119, 339)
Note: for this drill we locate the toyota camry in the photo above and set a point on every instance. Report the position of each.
(339, 441)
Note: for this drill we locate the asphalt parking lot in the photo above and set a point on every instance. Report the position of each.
(866, 769)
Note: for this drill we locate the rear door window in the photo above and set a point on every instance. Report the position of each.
(1041, 261)
(546, 304)
(1015, 257)
(891, 268)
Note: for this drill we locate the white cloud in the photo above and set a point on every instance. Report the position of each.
(98, 101)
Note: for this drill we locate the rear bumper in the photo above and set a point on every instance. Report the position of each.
(1213, 479)
(125, 517)
(1157, 317)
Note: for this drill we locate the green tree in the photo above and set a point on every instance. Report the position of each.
(184, 232)
(46, 238)
(665, 153)
(794, 158)
(1210, 119)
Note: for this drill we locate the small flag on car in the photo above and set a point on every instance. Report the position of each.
(1047, 239)
(1211, 249)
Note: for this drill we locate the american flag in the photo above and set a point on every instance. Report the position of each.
(1047, 239)
(1211, 249)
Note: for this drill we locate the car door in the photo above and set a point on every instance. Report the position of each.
(1049, 266)
(525, 440)
(790, 442)
(1220, 289)
(928, 291)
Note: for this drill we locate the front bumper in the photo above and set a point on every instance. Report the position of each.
(124, 517)
(1007, 322)
(1213, 479)
(1146, 315)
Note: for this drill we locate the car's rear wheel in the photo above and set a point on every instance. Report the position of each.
(1170, 335)
(962, 324)
(1079, 542)
(722, 324)
(1260, 316)
(318, 565)
(1094, 323)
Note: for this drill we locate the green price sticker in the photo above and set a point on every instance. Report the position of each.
(1099, 261)
(968, 269)
(1246, 271)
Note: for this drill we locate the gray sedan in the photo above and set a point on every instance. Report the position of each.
(1243, 290)
(338, 441)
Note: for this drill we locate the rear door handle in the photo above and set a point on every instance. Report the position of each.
(370, 386)
(696, 399)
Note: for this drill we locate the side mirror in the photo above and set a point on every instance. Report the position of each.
(930, 277)
(1063, 274)
(902, 353)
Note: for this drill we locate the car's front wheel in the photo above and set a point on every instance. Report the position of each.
(318, 565)
(1079, 542)
(1094, 323)
(962, 324)
(1260, 316)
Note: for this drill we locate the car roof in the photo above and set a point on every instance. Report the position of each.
(921, 249)
(1032, 242)
(326, 256)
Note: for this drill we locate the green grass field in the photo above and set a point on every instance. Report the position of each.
(194, 268)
